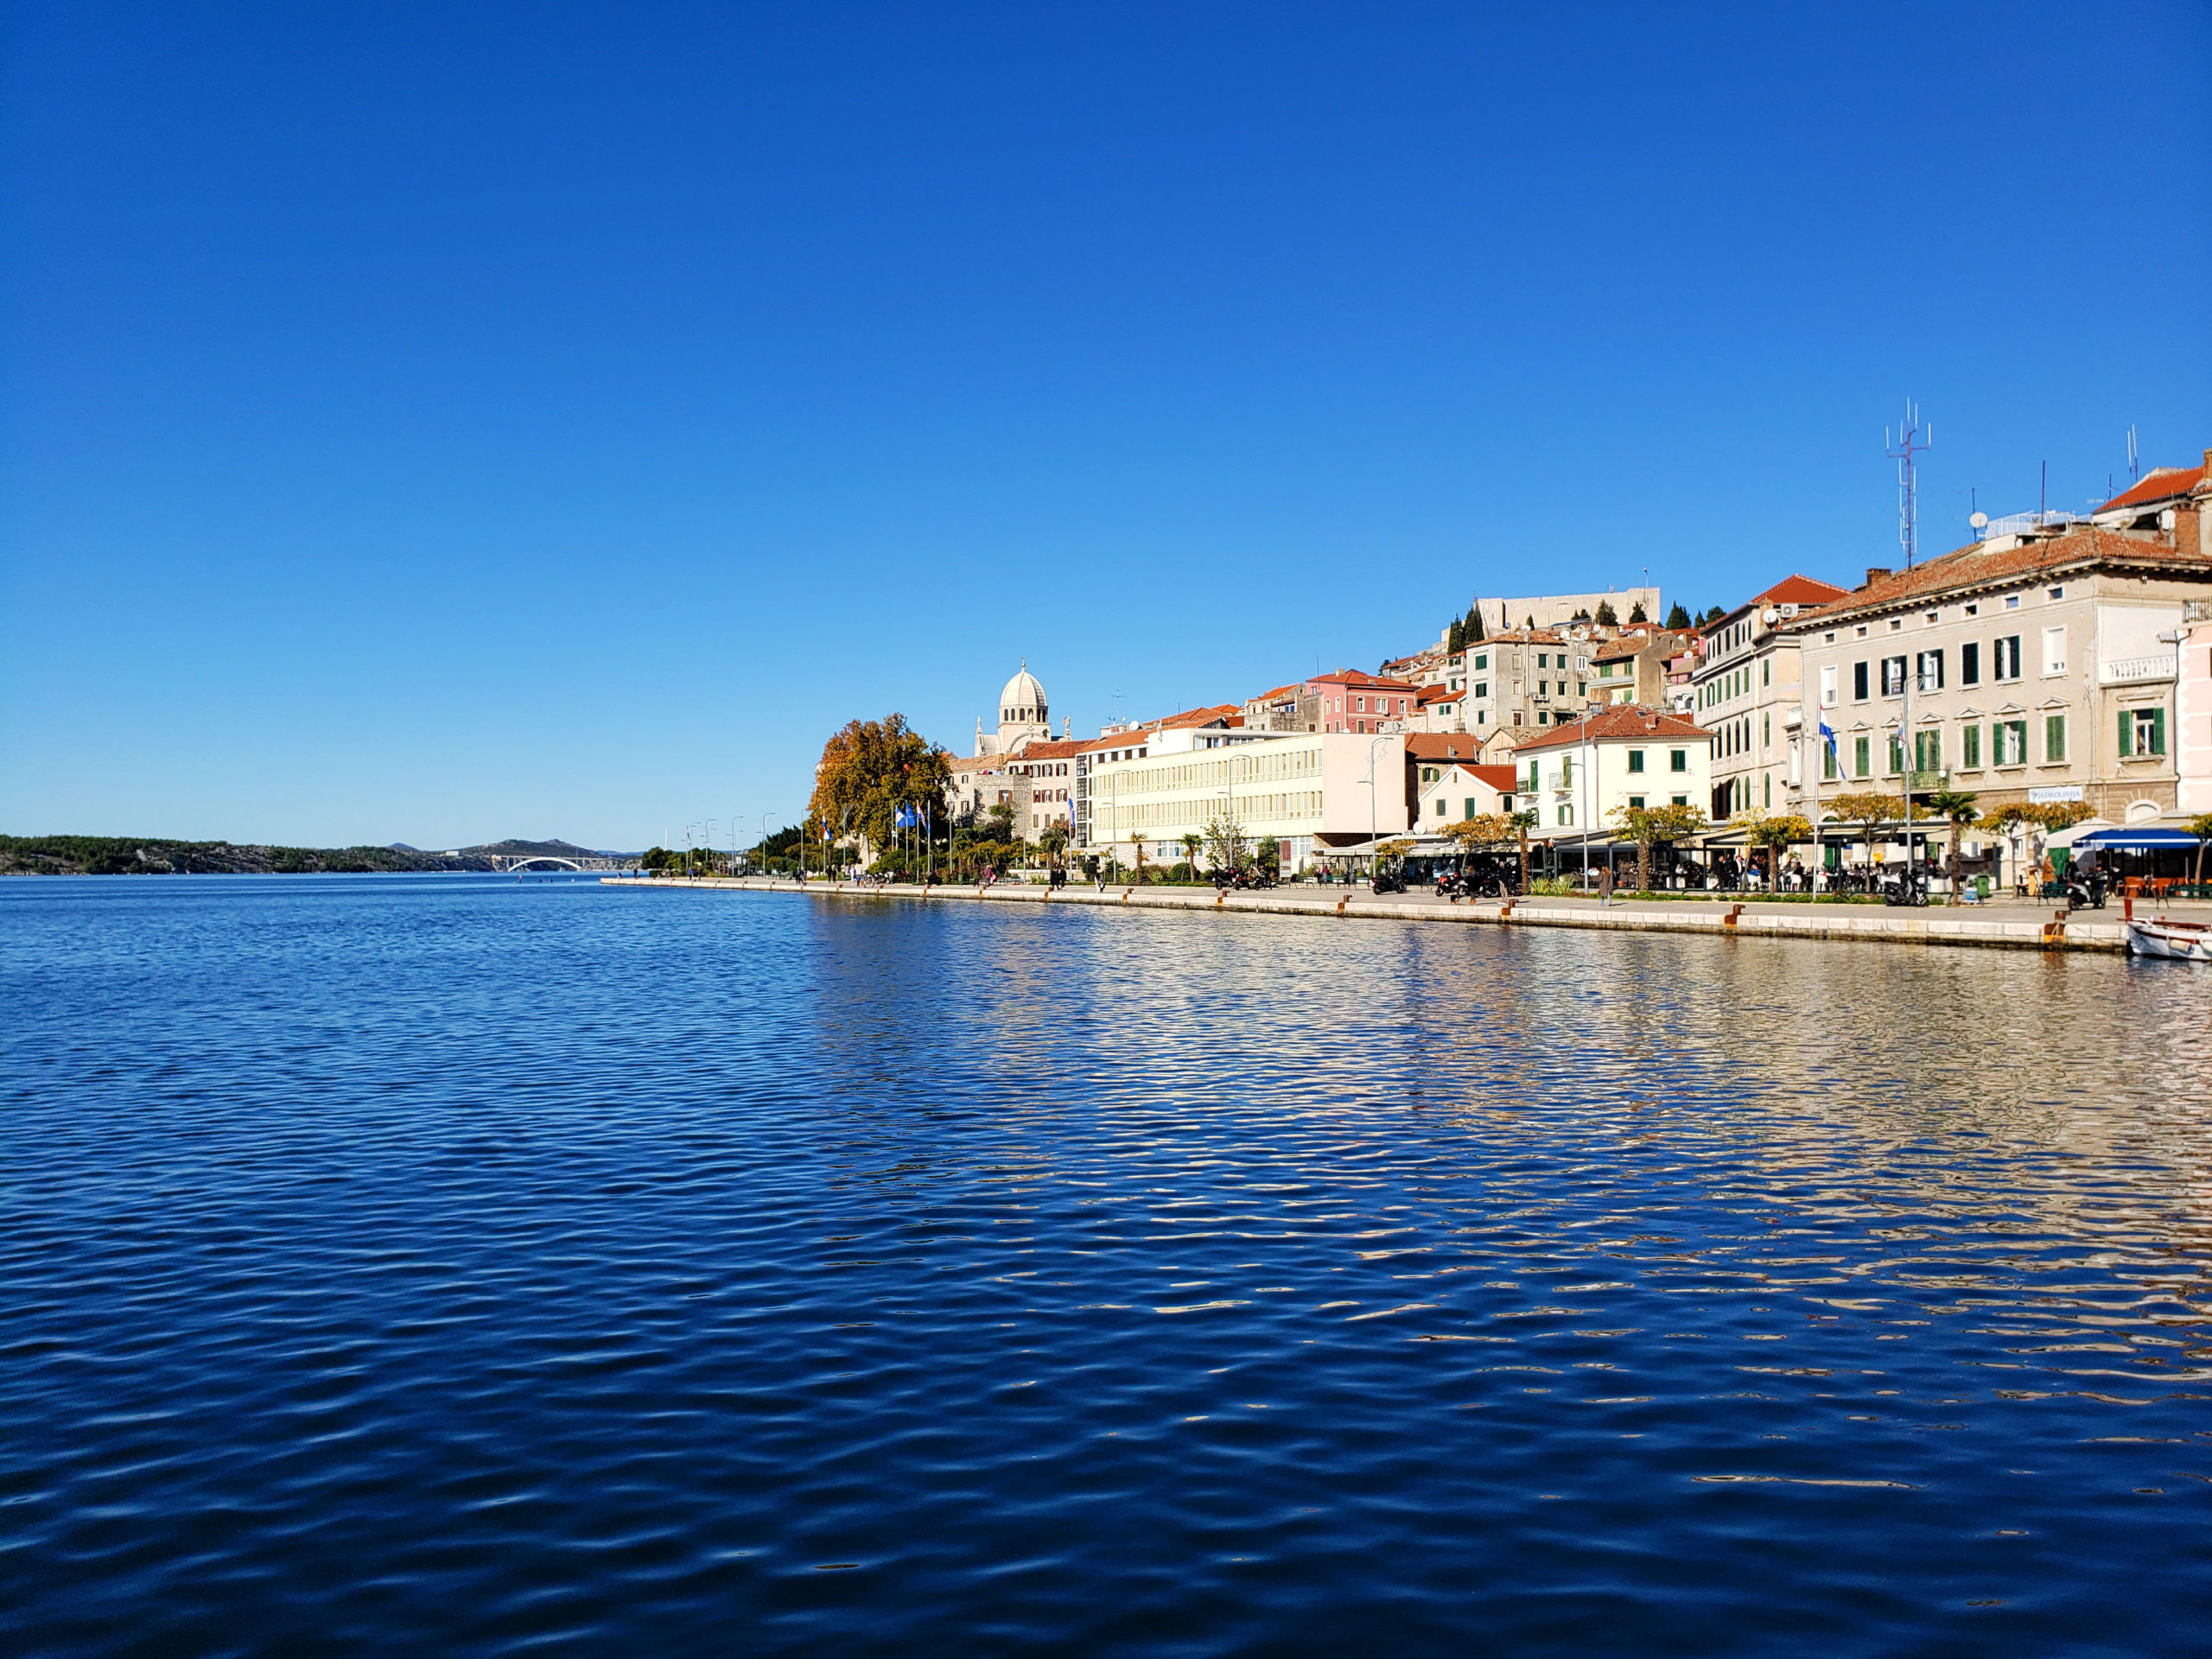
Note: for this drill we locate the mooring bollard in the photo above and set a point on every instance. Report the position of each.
(1729, 920)
(2054, 931)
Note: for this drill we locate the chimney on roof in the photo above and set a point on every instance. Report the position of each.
(2208, 460)
(1874, 574)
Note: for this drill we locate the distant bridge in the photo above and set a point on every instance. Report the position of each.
(507, 863)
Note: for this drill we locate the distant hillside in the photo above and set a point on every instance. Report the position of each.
(150, 855)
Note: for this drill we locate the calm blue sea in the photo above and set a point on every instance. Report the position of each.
(473, 1265)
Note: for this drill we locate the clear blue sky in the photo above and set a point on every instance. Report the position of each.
(436, 423)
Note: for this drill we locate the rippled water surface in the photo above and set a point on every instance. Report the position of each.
(480, 1267)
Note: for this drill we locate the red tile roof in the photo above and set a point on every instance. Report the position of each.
(1362, 682)
(1282, 693)
(2160, 484)
(1499, 777)
(1443, 746)
(1439, 694)
(1800, 590)
(1980, 565)
(1622, 724)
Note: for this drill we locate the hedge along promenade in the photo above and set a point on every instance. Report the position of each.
(2050, 929)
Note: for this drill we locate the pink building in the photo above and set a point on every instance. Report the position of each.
(1357, 703)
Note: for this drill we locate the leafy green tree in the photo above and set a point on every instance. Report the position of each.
(1225, 844)
(1474, 632)
(1866, 809)
(1455, 636)
(869, 769)
(1678, 619)
(1647, 826)
(1636, 614)
(1607, 617)
(2201, 827)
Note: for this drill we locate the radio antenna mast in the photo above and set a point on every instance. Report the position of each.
(2134, 460)
(1910, 441)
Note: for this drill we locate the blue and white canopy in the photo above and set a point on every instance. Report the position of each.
(2136, 838)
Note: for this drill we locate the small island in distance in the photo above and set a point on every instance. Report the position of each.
(144, 855)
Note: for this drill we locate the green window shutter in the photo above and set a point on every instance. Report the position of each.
(2126, 733)
(2159, 731)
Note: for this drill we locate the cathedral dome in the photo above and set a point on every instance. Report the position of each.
(1022, 702)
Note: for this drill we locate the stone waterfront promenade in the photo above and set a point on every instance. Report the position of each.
(2001, 926)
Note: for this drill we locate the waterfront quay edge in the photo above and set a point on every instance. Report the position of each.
(2042, 932)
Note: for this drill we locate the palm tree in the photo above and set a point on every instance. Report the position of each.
(1192, 842)
(1957, 805)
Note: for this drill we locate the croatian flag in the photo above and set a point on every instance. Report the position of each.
(1828, 736)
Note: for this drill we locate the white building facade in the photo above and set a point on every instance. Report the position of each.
(1312, 793)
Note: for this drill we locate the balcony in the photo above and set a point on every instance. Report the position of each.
(2138, 670)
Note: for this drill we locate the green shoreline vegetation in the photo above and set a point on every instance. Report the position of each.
(153, 856)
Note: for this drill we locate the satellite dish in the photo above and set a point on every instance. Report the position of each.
(1980, 521)
(1770, 616)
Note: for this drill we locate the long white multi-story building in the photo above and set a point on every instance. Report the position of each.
(1312, 793)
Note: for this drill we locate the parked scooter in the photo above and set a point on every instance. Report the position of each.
(2085, 890)
(1901, 888)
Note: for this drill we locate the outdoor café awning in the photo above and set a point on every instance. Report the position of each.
(2136, 838)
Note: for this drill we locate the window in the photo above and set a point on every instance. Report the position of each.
(2058, 592)
(2053, 739)
(1636, 760)
(1828, 687)
(1768, 781)
(2009, 739)
(1766, 731)
(1543, 661)
(1567, 772)
(1862, 763)
(1970, 662)
(1436, 807)
(2007, 663)
(1893, 677)
(1766, 672)
(1928, 750)
(1429, 774)
(1896, 754)
(1483, 661)
(1482, 688)
(1930, 670)
(1566, 813)
(1678, 760)
(1532, 777)
(1828, 761)
(1363, 705)
(2142, 733)
(1974, 610)
(1970, 746)
(1858, 681)
(2054, 651)
(1470, 804)
(2011, 601)
(1635, 803)
(1681, 800)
